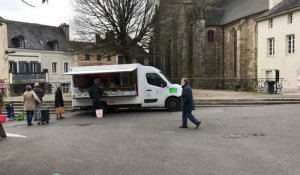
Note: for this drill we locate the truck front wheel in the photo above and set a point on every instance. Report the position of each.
(173, 104)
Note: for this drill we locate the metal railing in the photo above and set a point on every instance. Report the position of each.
(262, 85)
(19, 89)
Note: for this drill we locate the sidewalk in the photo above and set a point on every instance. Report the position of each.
(203, 95)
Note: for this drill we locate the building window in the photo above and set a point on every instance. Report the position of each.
(291, 44)
(34, 67)
(108, 58)
(21, 43)
(55, 46)
(87, 57)
(211, 36)
(290, 18)
(66, 67)
(271, 45)
(121, 60)
(271, 23)
(13, 67)
(98, 57)
(234, 61)
(54, 67)
(24, 67)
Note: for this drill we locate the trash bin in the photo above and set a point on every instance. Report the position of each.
(271, 87)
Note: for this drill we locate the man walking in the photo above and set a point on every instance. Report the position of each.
(40, 94)
(187, 104)
(95, 93)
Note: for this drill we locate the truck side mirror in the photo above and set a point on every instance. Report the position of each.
(164, 84)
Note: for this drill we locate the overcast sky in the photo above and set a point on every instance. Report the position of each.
(52, 13)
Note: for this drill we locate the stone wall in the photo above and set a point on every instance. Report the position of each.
(246, 48)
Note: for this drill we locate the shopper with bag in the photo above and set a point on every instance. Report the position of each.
(59, 103)
(95, 93)
(29, 100)
(40, 93)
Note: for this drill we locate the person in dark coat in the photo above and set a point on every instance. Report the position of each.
(187, 102)
(40, 94)
(95, 93)
(59, 102)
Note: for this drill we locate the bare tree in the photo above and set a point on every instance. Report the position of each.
(43, 1)
(130, 21)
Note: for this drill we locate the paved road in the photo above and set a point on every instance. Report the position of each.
(262, 140)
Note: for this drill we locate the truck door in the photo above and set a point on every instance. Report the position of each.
(155, 91)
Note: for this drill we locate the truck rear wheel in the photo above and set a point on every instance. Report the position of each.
(173, 104)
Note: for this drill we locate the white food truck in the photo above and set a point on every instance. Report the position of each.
(125, 86)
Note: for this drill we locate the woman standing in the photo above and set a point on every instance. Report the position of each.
(59, 103)
(29, 100)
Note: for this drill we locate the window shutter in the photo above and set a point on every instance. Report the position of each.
(21, 67)
(27, 67)
(39, 67)
(31, 66)
(14, 67)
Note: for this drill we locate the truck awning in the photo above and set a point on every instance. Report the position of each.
(101, 69)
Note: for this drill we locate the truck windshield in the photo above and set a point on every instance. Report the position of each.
(155, 80)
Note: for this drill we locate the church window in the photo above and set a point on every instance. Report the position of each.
(234, 53)
(211, 36)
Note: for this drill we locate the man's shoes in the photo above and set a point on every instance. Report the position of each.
(30, 124)
(197, 125)
(183, 126)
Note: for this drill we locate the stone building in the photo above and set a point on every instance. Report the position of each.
(32, 53)
(101, 52)
(207, 39)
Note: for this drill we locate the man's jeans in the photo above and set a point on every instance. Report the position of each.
(29, 115)
(37, 111)
(96, 105)
(188, 115)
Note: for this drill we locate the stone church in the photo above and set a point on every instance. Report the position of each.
(207, 39)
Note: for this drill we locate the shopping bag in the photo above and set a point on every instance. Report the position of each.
(2, 119)
(60, 110)
(21, 117)
(99, 113)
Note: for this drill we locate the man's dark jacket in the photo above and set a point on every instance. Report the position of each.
(95, 92)
(39, 93)
(187, 101)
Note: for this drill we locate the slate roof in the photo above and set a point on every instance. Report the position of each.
(36, 35)
(227, 11)
(213, 16)
(283, 6)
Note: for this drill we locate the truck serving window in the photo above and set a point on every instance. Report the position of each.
(155, 80)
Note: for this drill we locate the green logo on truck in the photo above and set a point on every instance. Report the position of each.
(172, 90)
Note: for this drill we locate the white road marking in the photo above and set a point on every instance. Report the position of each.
(15, 135)
(1, 160)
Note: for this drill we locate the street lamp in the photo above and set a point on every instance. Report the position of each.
(9, 52)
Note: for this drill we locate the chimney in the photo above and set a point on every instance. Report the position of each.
(98, 38)
(273, 3)
(66, 29)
